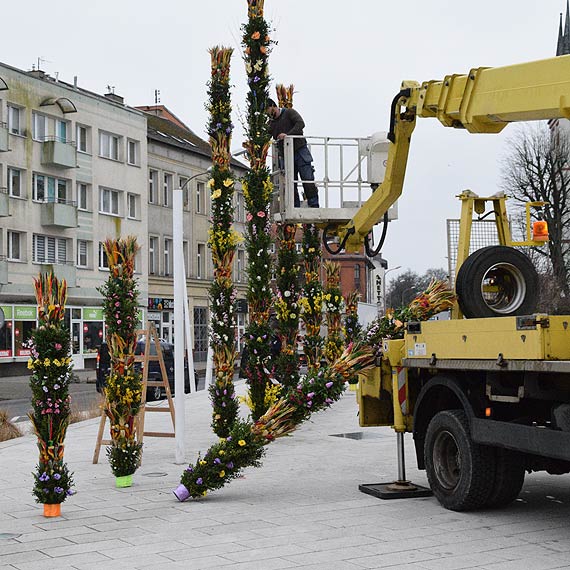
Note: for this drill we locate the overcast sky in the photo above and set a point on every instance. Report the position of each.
(346, 59)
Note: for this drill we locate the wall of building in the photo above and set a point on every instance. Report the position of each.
(48, 188)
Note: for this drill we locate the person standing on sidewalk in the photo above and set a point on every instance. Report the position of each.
(285, 122)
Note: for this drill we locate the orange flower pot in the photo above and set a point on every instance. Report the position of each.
(52, 510)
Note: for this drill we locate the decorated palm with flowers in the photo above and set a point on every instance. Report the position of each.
(437, 297)
(223, 240)
(50, 365)
(245, 446)
(287, 305)
(311, 302)
(124, 385)
(285, 95)
(333, 302)
(257, 190)
(352, 329)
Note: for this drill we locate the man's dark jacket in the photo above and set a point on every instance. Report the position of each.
(290, 123)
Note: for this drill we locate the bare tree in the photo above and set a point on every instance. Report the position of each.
(406, 286)
(536, 168)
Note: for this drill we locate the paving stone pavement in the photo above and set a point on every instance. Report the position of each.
(302, 509)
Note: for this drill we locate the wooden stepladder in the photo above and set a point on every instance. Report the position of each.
(150, 338)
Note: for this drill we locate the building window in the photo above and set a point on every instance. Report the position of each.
(132, 204)
(15, 187)
(39, 127)
(49, 189)
(133, 152)
(200, 198)
(82, 253)
(83, 135)
(48, 249)
(83, 196)
(167, 256)
(201, 261)
(240, 265)
(183, 183)
(103, 261)
(152, 186)
(15, 120)
(14, 246)
(152, 259)
(167, 190)
(109, 201)
(61, 128)
(109, 145)
(185, 250)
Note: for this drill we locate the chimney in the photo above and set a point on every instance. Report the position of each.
(116, 98)
(39, 74)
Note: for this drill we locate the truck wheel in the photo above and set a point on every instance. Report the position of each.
(497, 281)
(460, 472)
(509, 478)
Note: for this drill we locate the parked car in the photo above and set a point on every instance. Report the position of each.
(154, 374)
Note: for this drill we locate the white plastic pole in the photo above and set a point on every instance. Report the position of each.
(179, 281)
(209, 366)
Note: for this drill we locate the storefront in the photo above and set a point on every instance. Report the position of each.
(86, 326)
(161, 314)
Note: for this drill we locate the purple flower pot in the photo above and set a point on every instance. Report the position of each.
(181, 493)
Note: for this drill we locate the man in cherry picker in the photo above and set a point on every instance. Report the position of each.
(285, 122)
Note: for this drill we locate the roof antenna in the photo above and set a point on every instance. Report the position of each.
(111, 89)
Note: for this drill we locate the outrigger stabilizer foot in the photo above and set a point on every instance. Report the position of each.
(400, 489)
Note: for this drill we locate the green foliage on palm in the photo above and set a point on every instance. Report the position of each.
(50, 363)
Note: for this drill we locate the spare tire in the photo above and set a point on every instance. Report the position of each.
(497, 281)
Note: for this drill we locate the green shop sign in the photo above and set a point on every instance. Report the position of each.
(25, 313)
(7, 311)
(92, 314)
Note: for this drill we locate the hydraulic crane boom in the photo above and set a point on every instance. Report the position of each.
(483, 101)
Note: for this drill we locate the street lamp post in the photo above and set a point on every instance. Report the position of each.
(180, 309)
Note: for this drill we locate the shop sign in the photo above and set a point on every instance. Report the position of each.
(5, 353)
(159, 304)
(25, 314)
(153, 316)
(24, 352)
(7, 311)
(92, 314)
(241, 306)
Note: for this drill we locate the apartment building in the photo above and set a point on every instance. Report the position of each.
(179, 159)
(73, 172)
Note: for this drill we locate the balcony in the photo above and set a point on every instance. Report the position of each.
(60, 214)
(58, 153)
(65, 271)
(4, 203)
(4, 137)
(3, 270)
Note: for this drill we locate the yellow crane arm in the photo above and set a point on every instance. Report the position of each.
(483, 101)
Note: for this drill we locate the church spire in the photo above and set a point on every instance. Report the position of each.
(560, 43)
(563, 43)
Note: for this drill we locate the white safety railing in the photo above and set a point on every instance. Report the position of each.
(347, 170)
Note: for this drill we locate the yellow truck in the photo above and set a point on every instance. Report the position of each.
(487, 393)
